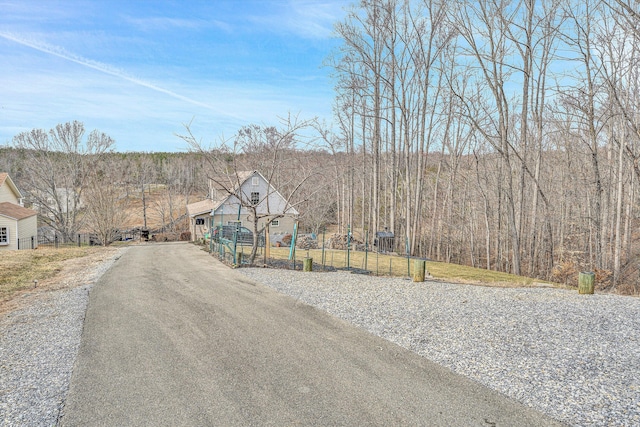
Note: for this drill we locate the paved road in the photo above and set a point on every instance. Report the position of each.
(172, 337)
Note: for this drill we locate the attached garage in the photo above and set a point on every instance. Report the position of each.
(200, 218)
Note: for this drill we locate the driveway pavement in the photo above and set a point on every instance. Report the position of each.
(174, 338)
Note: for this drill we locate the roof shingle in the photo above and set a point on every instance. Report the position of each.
(15, 211)
(199, 208)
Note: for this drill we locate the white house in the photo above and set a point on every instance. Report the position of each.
(18, 225)
(224, 207)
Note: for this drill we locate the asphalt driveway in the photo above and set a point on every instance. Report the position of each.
(173, 337)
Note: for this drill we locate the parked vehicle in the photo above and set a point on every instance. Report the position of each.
(244, 235)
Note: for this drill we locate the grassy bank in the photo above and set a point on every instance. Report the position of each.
(388, 265)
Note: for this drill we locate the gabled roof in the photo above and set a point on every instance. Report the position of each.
(5, 179)
(16, 212)
(228, 185)
(290, 209)
(199, 208)
(242, 177)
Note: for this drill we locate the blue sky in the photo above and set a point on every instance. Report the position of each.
(139, 70)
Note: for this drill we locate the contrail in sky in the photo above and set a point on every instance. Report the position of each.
(60, 53)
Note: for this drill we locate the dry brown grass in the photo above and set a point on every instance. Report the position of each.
(156, 200)
(19, 269)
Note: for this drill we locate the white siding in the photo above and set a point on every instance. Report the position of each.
(12, 225)
(7, 195)
(28, 227)
(271, 202)
(285, 224)
(198, 231)
(23, 229)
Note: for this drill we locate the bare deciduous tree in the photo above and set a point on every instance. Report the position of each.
(276, 154)
(60, 165)
(106, 205)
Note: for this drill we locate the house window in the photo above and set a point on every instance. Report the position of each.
(255, 198)
(199, 221)
(255, 181)
(4, 236)
(275, 223)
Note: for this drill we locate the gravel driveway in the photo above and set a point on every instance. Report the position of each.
(574, 357)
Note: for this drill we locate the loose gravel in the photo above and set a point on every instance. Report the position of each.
(38, 347)
(574, 357)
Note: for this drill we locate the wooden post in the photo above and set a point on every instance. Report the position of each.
(308, 264)
(267, 243)
(419, 268)
(586, 282)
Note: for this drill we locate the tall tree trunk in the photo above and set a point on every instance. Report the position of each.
(618, 214)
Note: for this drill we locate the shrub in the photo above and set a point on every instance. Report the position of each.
(603, 278)
(565, 272)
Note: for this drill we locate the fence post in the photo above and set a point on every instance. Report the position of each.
(408, 257)
(348, 247)
(324, 229)
(308, 264)
(267, 243)
(419, 267)
(586, 282)
(294, 255)
(366, 249)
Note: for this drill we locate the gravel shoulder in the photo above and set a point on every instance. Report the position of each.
(40, 333)
(573, 357)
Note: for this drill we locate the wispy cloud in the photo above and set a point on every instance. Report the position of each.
(139, 70)
(157, 23)
(104, 68)
(309, 19)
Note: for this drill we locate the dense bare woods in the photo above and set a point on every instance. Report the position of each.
(502, 134)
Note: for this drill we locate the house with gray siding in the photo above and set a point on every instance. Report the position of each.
(232, 199)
